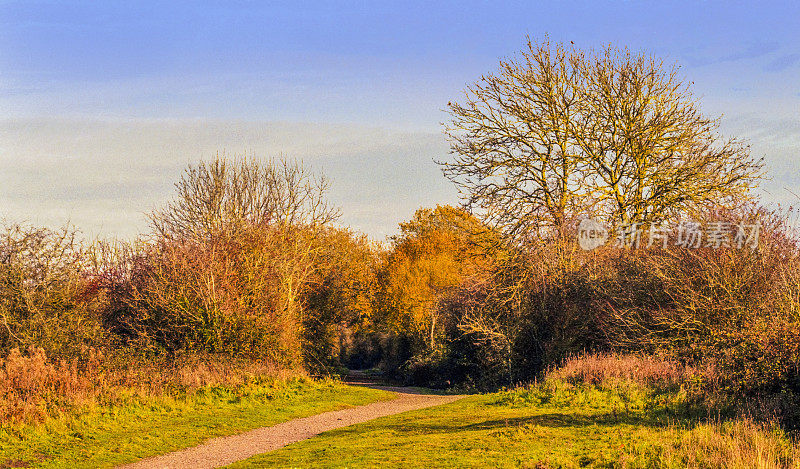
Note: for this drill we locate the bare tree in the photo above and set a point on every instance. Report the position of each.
(240, 240)
(232, 195)
(559, 133)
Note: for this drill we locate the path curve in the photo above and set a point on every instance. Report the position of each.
(225, 450)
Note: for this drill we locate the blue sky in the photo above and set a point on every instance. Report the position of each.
(103, 103)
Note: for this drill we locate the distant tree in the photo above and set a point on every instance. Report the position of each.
(339, 302)
(559, 133)
(435, 252)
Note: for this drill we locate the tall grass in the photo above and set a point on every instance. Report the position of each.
(34, 387)
(642, 369)
(657, 392)
(740, 444)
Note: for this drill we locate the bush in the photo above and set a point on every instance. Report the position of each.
(731, 310)
(227, 265)
(46, 300)
(227, 295)
(732, 315)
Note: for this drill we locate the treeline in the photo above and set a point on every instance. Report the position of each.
(245, 263)
(227, 267)
(730, 313)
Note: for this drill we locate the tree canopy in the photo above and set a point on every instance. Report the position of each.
(436, 251)
(560, 133)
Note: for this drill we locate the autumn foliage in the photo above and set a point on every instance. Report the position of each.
(267, 279)
(437, 251)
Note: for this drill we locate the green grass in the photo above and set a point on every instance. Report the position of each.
(546, 426)
(102, 437)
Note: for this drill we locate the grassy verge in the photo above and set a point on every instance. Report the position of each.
(102, 436)
(612, 424)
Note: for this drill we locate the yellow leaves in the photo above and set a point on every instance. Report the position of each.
(438, 249)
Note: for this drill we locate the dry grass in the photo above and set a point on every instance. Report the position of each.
(642, 369)
(740, 444)
(29, 384)
(737, 443)
(34, 387)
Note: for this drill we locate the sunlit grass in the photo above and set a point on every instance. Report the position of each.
(103, 436)
(613, 424)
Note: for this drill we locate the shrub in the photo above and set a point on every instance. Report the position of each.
(45, 298)
(731, 310)
(227, 265)
(226, 295)
(729, 315)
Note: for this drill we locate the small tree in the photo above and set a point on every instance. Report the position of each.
(437, 250)
(237, 196)
(559, 133)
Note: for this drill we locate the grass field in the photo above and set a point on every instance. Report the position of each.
(549, 425)
(613, 423)
(107, 436)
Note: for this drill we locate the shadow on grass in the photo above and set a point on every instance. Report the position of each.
(553, 420)
(401, 389)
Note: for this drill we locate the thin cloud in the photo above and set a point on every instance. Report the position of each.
(778, 141)
(753, 50)
(103, 175)
(782, 63)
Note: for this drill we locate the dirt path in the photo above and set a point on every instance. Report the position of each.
(226, 450)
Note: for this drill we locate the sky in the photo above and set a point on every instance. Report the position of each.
(103, 104)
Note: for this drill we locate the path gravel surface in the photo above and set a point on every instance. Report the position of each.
(221, 451)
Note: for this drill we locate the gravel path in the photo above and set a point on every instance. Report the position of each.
(221, 451)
